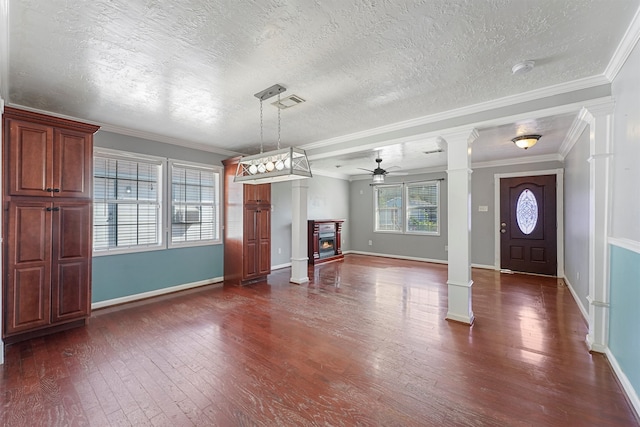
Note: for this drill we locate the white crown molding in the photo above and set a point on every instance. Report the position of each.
(518, 161)
(628, 42)
(327, 174)
(4, 49)
(577, 127)
(507, 101)
(106, 127)
(167, 139)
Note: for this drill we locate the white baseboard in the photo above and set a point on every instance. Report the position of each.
(280, 266)
(484, 266)
(576, 298)
(157, 292)
(632, 394)
(410, 258)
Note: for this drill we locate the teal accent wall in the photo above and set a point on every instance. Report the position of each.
(116, 276)
(624, 327)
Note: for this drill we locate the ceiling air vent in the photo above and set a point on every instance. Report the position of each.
(288, 102)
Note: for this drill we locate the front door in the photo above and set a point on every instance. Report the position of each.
(528, 224)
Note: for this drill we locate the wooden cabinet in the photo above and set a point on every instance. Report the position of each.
(45, 161)
(48, 264)
(247, 230)
(47, 227)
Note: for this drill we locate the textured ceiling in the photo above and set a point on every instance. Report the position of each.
(188, 70)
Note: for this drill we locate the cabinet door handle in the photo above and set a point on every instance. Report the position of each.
(49, 190)
(49, 209)
(56, 209)
(56, 190)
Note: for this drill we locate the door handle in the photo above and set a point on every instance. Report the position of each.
(502, 230)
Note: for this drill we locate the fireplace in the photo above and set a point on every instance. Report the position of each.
(324, 240)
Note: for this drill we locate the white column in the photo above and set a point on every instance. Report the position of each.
(459, 224)
(1, 246)
(600, 129)
(299, 258)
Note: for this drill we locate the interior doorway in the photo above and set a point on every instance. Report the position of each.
(529, 226)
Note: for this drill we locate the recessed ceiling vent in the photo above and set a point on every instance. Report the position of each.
(288, 102)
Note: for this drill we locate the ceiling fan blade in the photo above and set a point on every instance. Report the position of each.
(368, 170)
(392, 167)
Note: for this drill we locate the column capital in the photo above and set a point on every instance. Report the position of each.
(595, 111)
(468, 135)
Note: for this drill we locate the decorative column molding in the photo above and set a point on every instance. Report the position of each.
(459, 224)
(600, 121)
(299, 258)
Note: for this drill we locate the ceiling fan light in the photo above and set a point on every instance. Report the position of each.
(378, 178)
(526, 141)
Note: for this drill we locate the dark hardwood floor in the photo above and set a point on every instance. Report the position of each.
(365, 343)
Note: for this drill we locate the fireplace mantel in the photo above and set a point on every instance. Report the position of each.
(324, 240)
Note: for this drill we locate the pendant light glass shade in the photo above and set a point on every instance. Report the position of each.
(526, 141)
(286, 164)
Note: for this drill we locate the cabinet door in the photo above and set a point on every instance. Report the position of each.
(72, 164)
(250, 255)
(71, 268)
(259, 193)
(30, 152)
(29, 266)
(264, 239)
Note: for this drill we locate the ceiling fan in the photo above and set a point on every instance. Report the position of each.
(378, 173)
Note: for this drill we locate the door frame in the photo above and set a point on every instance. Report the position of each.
(559, 173)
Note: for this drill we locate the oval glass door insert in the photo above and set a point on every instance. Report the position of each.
(527, 211)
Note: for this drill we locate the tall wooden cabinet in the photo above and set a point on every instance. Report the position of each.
(247, 230)
(47, 223)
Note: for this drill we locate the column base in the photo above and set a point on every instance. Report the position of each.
(299, 271)
(460, 302)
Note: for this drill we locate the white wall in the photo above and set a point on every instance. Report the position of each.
(576, 218)
(625, 212)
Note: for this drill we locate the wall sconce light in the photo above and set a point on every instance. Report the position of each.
(526, 141)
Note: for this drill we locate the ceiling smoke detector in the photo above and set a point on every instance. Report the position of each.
(522, 67)
(288, 102)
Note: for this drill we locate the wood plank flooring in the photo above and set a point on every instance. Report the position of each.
(365, 343)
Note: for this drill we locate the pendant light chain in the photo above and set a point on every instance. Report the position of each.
(279, 120)
(261, 131)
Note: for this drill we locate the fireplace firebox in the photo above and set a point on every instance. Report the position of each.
(324, 240)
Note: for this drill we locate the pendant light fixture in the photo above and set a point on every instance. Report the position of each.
(279, 165)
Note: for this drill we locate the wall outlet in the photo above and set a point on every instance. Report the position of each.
(370, 242)
(483, 208)
(279, 251)
(578, 276)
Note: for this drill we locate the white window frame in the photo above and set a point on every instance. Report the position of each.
(160, 162)
(376, 216)
(218, 177)
(404, 190)
(406, 207)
